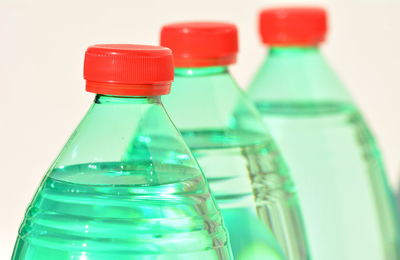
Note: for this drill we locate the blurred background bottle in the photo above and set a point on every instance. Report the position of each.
(227, 136)
(346, 201)
(125, 186)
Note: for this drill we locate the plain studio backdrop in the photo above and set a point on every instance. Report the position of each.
(42, 88)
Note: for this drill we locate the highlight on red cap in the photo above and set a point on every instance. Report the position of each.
(201, 44)
(293, 26)
(128, 69)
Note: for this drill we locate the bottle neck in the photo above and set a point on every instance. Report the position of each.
(200, 71)
(108, 99)
(293, 51)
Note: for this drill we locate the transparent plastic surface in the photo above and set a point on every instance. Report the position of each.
(125, 186)
(241, 163)
(346, 201)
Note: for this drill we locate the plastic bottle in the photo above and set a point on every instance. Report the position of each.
(344, 195)
(125, 186)
(230, 142)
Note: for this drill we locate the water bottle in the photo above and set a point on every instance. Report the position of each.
(125, 186)
(226, 135)
(346, 201)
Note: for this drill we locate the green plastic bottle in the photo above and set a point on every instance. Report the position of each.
(346, 201)
(125, 186)
(226, 134)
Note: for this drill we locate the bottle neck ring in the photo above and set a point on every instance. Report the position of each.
(185, 61)
(116, 89)
(109, 99)
(200, 71)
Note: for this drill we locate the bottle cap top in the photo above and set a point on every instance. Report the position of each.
(201, 44)
(128, 69)
(293, 26)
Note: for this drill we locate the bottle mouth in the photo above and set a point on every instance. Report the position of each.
(293, 45)
(201, 43)
(128, 69)
(288, 26)
(195, 62)
(120, 89)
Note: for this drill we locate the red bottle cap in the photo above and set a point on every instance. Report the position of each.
(294, 26)
(201, 44)
(128, 70)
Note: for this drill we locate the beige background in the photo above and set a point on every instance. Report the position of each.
(42, 90)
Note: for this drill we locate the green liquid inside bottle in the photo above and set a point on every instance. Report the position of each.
(124, 187)
(241, 163)
(344, 195)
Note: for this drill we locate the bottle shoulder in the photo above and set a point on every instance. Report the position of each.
(305, 77)
(135, 137)
(216, 108)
